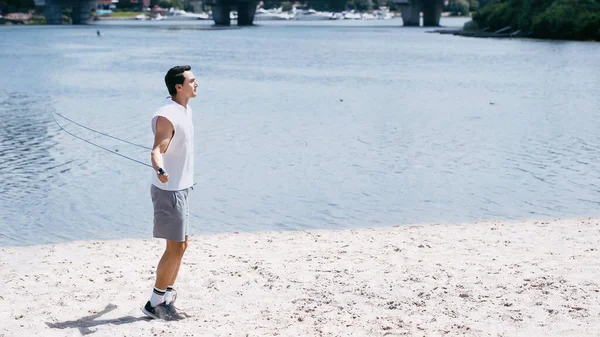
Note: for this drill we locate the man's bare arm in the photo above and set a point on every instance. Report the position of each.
(162, 139)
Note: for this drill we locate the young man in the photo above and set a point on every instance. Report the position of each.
(173, 158)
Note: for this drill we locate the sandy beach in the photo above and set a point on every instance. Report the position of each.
(496, 278)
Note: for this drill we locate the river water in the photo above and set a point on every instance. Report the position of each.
(299, 126)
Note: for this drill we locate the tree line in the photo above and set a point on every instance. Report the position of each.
(551, 19)
(456, 7)
(558, 19)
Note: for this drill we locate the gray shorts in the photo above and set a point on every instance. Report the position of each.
(171, 213)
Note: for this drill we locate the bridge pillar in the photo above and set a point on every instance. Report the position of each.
(432, 11)
(246, 12)
(54, 12)
(411, 14)
(220, 12)
(221, 9)
(82, 11)
(410, 9)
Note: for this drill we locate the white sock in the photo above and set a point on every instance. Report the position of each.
(169, 295)
(157, 297)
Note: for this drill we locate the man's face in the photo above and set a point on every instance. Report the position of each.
(188, 88)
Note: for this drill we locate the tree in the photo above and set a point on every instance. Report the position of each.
(569, 19)
(329, 5)
(360, 5)
(560, 19)
(286, 6)
(473, 5)
(168, 3)
(10, 6)
(458, 7)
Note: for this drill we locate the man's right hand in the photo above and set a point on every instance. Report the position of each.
(163, 177)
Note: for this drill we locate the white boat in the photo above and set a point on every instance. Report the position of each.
(352, 15)
(384, 13)
(264, 15)
(180, 15)
(141, 17)
(338, 16)
(368, 16)
(312, 14)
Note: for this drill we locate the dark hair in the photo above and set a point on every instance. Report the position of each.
(175, 76)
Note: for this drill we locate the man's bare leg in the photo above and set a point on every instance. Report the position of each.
(168, 267)
(171, 294)
(174, 277)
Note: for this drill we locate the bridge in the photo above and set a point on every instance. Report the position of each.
(82, 9)
(411, 12)
(221, 8)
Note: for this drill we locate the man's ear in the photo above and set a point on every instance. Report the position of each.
(178, 86)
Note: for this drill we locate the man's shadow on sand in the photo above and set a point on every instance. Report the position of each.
(84, 323)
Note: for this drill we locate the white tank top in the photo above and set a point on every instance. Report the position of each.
(179, 157)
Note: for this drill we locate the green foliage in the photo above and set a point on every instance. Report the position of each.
(268, 4)
(286, 6)
(360, 5)
(473, 5)
(379, 3)
(391, 5)
(168, 3)
(561, 19)
(67, 15)
(458, 7)
(11, 6)
(331, 5)
(125, 14)
(493, 15)
(461, 7)
(569, 19)
(38, 20)
(470, 26)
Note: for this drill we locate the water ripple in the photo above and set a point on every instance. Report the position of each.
(299, 127)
